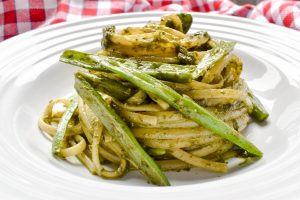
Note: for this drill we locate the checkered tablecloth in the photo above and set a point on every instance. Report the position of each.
(18, 16)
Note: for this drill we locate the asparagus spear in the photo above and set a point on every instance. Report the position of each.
(112, 87)
(120, 131)
(163, 71)
(58, 139)
(184, 104)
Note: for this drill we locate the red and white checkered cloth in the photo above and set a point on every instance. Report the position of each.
(18, 16)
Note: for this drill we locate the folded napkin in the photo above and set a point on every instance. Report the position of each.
(18, 16)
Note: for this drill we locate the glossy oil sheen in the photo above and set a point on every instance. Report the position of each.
(30, 75)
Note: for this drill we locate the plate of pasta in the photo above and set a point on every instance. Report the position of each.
(119, 106)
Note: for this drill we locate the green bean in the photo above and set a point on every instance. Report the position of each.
(58, 139)
(213, 56)
(120, 131)
(258, 112)
(163, 71)
(109, 86)
(184, 104)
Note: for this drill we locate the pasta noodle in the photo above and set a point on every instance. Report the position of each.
(174, 141)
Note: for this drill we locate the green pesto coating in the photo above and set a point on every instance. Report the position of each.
(120, 132)
(183, 104)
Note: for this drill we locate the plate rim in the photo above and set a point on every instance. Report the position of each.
(32, 32)
(117, 15)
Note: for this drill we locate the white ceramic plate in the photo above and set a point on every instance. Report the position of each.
(30, 75)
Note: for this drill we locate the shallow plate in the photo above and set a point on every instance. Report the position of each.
(30, 75)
